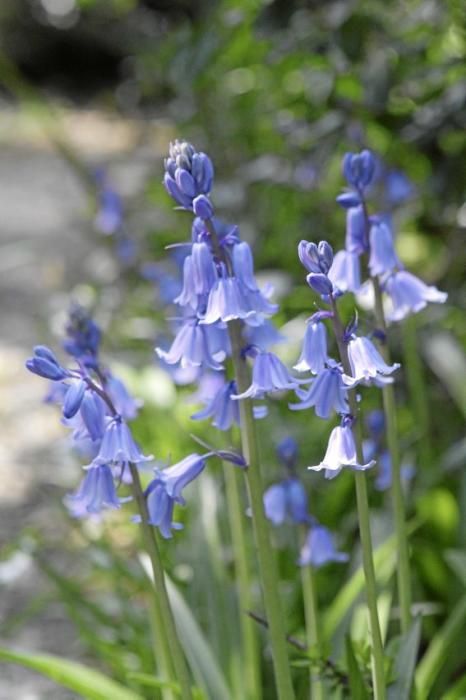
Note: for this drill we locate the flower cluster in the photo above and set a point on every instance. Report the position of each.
(372, 235)
(219, 287)
(96, 406)
(287, 501)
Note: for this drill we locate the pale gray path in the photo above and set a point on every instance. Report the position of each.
(46, 249)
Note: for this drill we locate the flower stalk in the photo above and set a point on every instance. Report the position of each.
(313, 636)
(364, 521)
(388, 397)
(265, 552)
(163, 602)
(249, 637)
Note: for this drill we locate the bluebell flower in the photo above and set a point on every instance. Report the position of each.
(93, 412)
(73, 398)
(109, 217)
(383, 257)
(317, 259)
(314, 356)
(356, 235)
(345, 273)
(359, 169)
(287, 451)
(383, 479)
(319, 548)
(179, 475)
(243, 265)
(327, 393)
(118, 445)
(125, 404)
(366, 361)
(96, 492)
(202, 207)
(349, 199)
(45, 364)
(188, 295)
(188, 174)
(341, 452)
(375, 423)
(320, 283)
(203, 269)
(226, 302)
(286, 500)
(166, 490)
(221, 408)
(196, 345)
(160, 509)
(269, 375)
(83, 336)
(408, 294)
(398, 187)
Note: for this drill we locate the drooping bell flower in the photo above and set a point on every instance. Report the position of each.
(408, 294)
(356, 235)
(96, 492)
(118, 445)
(366, 361)
(286, 500)
(193, 347)
(345, 273)
(269, 375)
(341, 452)
(383, 257)
(319, 548)
(327, 392)
(314, 356)
(226, 302)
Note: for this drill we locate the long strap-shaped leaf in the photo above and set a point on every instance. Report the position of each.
(88, 682)
(405, 663)
(437, 653)
(202, 660)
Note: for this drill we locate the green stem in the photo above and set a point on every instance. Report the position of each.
(251, 657)
(388, 396)
(265, 552)
(313, 636)
(161, 653)
(362, 500)
(163, 603)
(414, 371)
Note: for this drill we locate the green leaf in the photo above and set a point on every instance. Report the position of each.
(356, 681)
(437, 652)
(405, 663)
(201, 658)
(88, 682)
(206, 671)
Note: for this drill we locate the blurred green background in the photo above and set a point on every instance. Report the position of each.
(276, 93)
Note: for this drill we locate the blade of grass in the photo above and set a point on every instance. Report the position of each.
(89, 683)
(202, 660)
(437, 652)
(405, 663)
